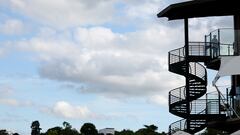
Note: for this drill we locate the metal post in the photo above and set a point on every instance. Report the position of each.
(206, 104)
(236, 78)
(218, 42)
(187, 71)
(169, 60)
(169, 99)
(219, 103)
(205, 45)
(211, 55)
(227, 96)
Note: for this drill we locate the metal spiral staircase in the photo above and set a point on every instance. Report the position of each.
(192, 109)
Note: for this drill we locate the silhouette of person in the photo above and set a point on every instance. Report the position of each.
(215, 47)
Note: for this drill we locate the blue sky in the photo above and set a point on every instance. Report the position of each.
(99, 61)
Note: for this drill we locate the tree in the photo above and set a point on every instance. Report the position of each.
(88, 129)
(3, 132)
(35, 128)
(66, 125)
(148, 130)
(54, 131)
(124, 132)
(151, 127)
(163, 133)
(68, 129)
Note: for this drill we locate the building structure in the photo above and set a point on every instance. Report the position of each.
(191, 102)
(107, 131)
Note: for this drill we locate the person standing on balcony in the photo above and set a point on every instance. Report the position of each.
(214, 46)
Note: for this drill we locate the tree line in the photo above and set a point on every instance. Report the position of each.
(90, 129)
(86, 129)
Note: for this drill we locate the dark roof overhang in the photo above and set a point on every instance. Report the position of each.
(201, 8)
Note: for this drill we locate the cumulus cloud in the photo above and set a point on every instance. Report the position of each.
(111, 64)
(142, 8)
(67, 110)
(12, 27)
(100, 60)
(158, 100)
(65, 13)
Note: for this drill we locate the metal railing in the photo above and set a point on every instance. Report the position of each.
(223, 35)
(198, 70)
(200, 106)
(177, 95)
(210, 49)
(177, 126)
(176, 55)
(198, 49)
(216, 104)
(224, 41)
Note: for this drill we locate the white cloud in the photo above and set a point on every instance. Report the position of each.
(65, 13)
(66, 110)
(158, 100)
(12, 27)
(108, 63)
(15, 102)
(143, 9)
(11, 102)
(6, 97)
(103, 61)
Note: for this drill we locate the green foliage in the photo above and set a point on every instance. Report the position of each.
(88, 129)
(125, 132)
(67, 130)
(148, 130)
(163, 133)
(151, 127)
(54, 131)
(35, 128)
(67, 125)
(3, 132)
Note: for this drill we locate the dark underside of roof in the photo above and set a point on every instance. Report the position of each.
(201, 8)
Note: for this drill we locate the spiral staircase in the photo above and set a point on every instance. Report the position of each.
(187, 101)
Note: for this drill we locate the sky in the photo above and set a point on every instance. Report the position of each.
(98, 61)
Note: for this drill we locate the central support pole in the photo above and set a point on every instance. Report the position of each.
(187, 71)
(236, 78)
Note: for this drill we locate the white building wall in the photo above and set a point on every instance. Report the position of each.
(106, 131)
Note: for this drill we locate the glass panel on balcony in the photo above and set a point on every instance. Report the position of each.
(225, 41)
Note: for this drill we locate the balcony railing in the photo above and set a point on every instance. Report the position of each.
(210, 49)
(223, 43)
